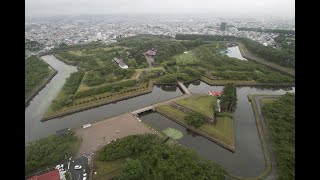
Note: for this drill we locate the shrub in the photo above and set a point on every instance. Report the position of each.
(195, 119)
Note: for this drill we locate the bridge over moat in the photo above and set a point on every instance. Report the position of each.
(153, 106)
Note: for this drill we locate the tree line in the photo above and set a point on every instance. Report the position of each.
(35, 72)
(280, 118)
(49, 151)
(283, 57)
(229, 98)
(280, 31)
(148, 158)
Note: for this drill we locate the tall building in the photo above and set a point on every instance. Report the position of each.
(223, 26)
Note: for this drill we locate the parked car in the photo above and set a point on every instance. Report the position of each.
(85, 174)
(84, 178)
(77, 167)
(59, 166)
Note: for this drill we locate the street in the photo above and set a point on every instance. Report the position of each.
(77, 174)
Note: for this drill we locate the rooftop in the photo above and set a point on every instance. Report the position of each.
(52, 175)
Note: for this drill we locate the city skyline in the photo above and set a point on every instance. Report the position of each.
(244, 8)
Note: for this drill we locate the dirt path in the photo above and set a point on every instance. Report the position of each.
(258, 99)
(102, 132)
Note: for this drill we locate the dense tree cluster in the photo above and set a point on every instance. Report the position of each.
(73, 82)
(49, 151)
(285, 41)
(283, 57)
(93, 78)
(281, 31)
(229, 98)
(233, 69)
(150, 159)
(35, 72)
(129, 146)
(165, 47)
(69, 89)
(280, 118)
(195, 119)
(33, 45)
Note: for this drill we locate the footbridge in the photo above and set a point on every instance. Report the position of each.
(153, 106)
(183, 87)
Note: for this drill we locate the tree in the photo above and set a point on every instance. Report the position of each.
(195, 119)
(229, 98)
(131, 170)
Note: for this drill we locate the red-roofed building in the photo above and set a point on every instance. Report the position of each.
(214, 93)
(52, 175)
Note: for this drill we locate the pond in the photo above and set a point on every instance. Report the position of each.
(234, 52)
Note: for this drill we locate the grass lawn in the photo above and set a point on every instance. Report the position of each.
(173, 133)
(76, 52)
(203, 104)
(185, 58)
(266, 101)
(107, 169)
(223, 131)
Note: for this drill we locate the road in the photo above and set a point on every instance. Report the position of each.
(258, 99)
(77, 174)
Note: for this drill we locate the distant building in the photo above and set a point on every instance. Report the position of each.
(223, 26)
(52, 175)
(120, 63)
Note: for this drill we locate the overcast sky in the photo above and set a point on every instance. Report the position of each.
(282, 8)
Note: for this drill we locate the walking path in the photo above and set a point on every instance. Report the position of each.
(258, 99)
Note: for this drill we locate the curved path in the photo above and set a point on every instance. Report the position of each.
(259, 103)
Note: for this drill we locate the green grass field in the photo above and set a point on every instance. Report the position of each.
(203, 104)
(107, 169)
(173, 133)
(185, 58)
(223, 131)
(267, 100)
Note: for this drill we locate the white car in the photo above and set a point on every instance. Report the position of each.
(85, 174)
(59, 166)
(77, 167)
(84, 178)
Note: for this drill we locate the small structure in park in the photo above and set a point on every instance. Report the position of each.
(150, 53)
(120, 63)
(215, 93)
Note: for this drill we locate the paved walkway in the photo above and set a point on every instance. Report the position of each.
(102, 132)
(258, 99)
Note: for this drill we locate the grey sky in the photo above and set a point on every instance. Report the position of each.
(282, 8)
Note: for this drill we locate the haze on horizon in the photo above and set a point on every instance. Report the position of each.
(251, 8)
